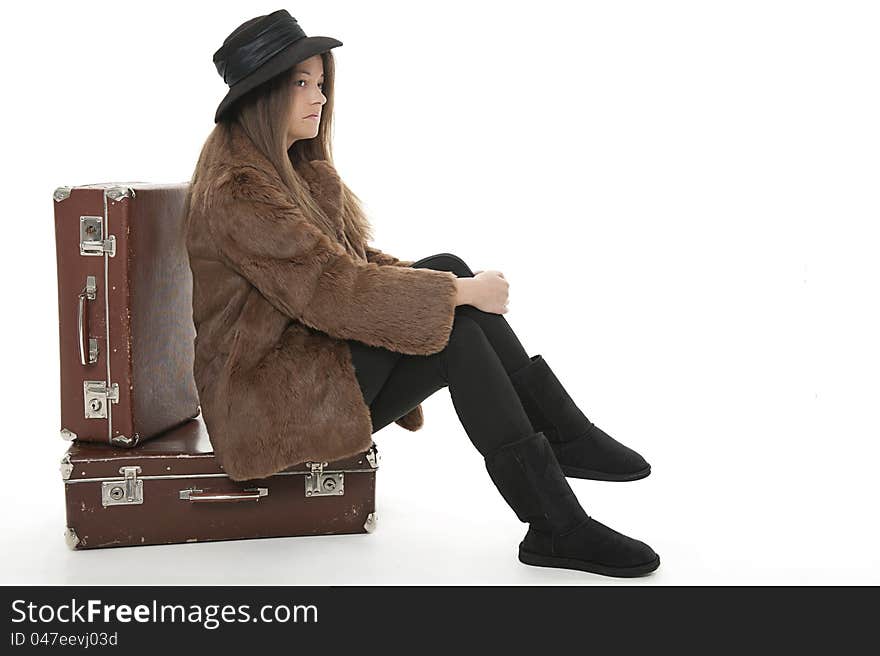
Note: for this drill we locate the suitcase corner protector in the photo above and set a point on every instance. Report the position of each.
(71, 538)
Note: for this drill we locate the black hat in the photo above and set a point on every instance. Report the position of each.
(260, 49)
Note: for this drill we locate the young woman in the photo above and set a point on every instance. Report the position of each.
(309, 339)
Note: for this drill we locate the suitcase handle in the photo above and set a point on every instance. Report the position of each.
(90, 293)
(251, 494)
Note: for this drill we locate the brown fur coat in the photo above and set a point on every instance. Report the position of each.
(275, 298)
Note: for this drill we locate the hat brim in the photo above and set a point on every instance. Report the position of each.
(298, 51)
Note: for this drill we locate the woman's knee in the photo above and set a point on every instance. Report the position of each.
(446, 262)
(466, 338)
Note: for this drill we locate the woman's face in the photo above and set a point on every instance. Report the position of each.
(307, 99)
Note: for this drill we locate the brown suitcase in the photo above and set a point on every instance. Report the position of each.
(171, 489)
(125, 312)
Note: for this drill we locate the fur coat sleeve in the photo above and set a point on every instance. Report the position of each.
(377, 256)
(311, 278)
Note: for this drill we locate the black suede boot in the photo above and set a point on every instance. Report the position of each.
(583, 449)
(561, 533)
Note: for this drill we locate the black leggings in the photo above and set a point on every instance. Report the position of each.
(475, 364)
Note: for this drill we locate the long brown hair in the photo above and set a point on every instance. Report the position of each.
(264, 115)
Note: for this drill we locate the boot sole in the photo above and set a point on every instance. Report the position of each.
(543, 560)
(593, 475)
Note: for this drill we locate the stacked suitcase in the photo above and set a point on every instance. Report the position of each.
(140, 468)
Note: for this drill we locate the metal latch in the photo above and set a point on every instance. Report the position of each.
(91, 237)
(323, 484)
(97, 396)
(128, 492)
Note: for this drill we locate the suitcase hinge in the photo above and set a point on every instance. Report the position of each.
(127, 492)
(96, 397)
(323, 484)
(91, 237)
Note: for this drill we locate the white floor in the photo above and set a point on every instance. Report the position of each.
(722, 506)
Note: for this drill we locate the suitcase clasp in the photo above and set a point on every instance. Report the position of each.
(127, 492)
(323, 484)
(97, 395)
(91, 237)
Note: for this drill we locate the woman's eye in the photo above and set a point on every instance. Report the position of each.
(320, 84)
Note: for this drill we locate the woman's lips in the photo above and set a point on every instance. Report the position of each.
(313, 116)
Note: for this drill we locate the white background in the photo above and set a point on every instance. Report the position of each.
(682, 195)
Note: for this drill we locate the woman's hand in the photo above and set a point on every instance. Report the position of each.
(486, 290)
